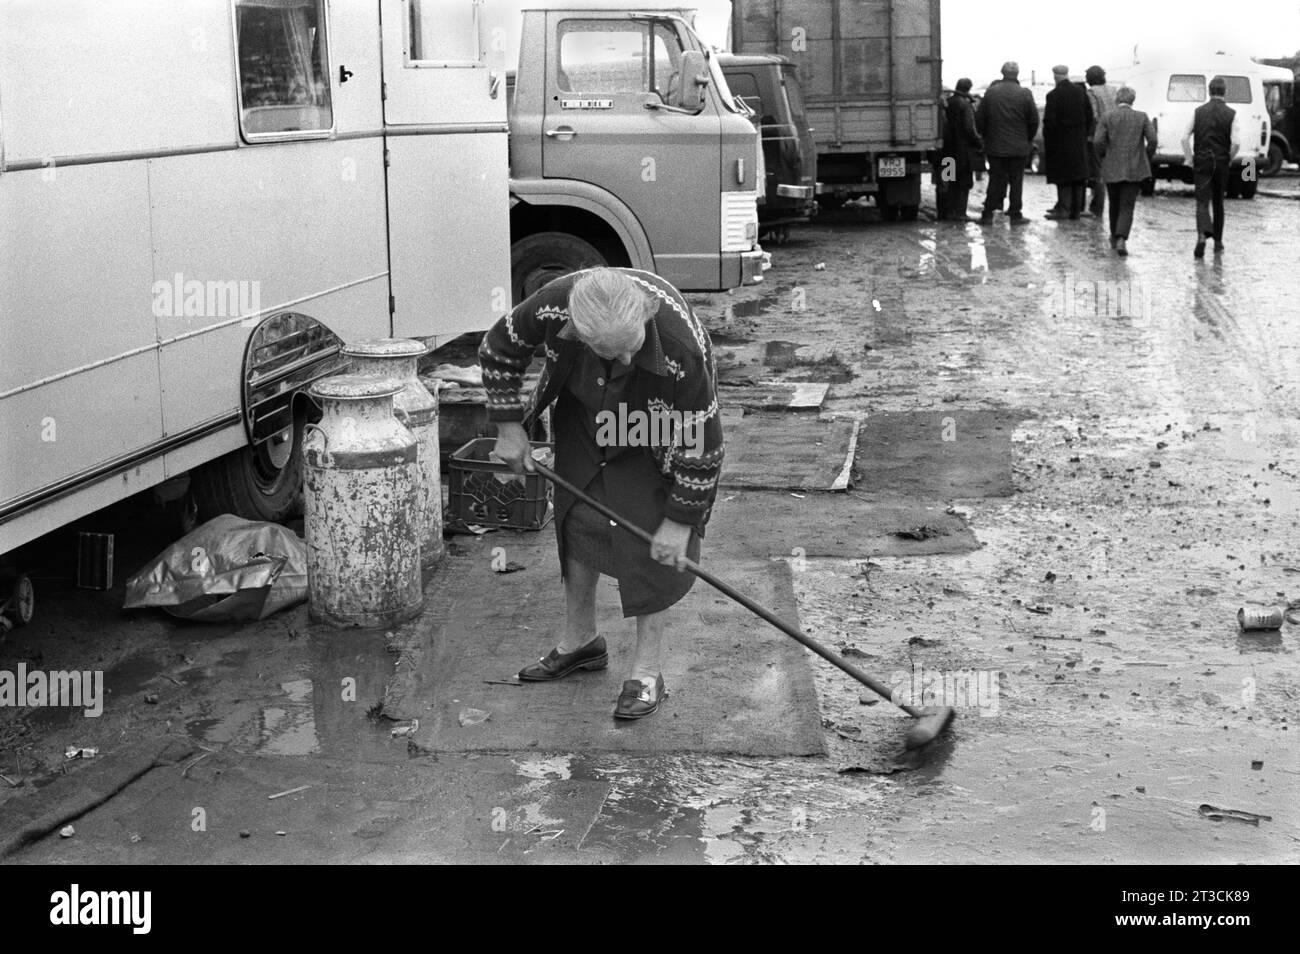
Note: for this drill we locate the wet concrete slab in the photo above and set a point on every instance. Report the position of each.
(940, 454)
(735, 684)
(787, 452)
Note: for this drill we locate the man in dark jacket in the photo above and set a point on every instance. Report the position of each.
(961, 147)
(1210, 143)
(1007, 119)
(1067, 126)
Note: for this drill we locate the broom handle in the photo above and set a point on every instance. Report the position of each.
(793, 632)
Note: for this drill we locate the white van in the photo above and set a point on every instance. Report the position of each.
(1169, 93)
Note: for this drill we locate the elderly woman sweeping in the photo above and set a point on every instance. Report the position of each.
(630, 371)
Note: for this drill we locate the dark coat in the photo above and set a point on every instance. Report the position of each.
(1067, 126)
(961, 141)
(1007, 119)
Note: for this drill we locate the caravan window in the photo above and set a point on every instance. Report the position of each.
(443, 34)
(1187, 88)
(284, 89)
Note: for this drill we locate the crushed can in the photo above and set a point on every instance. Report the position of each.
(1259, 617)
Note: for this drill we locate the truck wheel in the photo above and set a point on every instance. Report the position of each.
(1233, 191)
(1273, 165)
(537, 260)
(889, 212)
(908, 213)
(1148, 186)
(1247, 189)
(829, 203)
(257, 483)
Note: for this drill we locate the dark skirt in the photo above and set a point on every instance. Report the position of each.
(639, 493)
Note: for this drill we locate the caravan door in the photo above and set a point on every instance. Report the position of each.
(448, 192)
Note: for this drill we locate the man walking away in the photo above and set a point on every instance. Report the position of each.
(961, 147)
(1102, 100)
(1210, 143)
(1067, 125)
(1126, 143)
(1007, 119)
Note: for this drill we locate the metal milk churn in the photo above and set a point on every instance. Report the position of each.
(398, 358)
(361, 495)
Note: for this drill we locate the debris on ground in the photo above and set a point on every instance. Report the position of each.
(470, 716)
(406, 729)
(1219, 814)
(510, 567)
(292, 791)
(67, 831)
(75, 752)
(923, 532)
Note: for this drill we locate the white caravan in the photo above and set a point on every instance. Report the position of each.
(198, 202)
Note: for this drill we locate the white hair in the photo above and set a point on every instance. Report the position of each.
(609, 311)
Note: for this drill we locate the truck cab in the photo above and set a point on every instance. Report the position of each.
(769, 85)
(628, 148)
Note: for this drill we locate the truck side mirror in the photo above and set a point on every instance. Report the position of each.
(692, 76)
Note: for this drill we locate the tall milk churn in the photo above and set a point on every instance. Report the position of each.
(361, 495)
(398, 358)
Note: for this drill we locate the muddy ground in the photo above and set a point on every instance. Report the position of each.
(1071, 470)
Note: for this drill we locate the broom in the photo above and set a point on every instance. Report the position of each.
(928, 725)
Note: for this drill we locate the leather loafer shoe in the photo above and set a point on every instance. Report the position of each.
(557, 665)
(637, 700)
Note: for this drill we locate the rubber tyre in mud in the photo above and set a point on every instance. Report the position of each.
(257, 484)
(1148, 187)
(538, 259)
(1273, 165)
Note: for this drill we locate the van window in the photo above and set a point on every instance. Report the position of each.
(1186, 88)
(1238, 89)
(603, 56)
(284, 89)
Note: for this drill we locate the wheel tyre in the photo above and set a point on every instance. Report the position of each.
(1273, 165)
(908, 213)
(1148, 186)
(829, 203)
(1233, 190)
(22, 602)
(889, 213)
(537, 260)
(244, 483)
(1247, 189)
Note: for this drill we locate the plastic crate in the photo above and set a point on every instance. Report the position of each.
(478, 498)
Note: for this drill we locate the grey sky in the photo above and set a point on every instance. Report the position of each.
(978, 35)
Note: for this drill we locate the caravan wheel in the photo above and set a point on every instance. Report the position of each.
(257, 483)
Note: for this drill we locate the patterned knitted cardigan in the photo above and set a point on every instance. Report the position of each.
(682, 379)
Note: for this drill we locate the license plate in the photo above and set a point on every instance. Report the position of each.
(891, 167)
